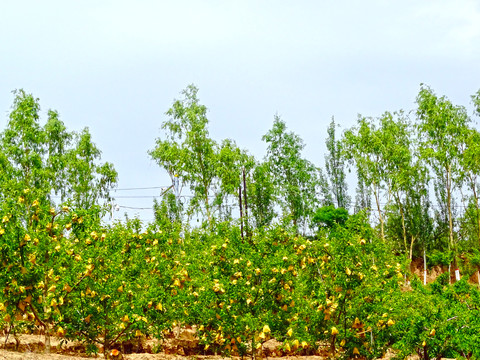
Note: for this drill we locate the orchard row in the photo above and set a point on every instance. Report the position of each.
(344, 292)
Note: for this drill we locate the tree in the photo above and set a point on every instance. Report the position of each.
(36, 163)
(362, 196)
(404, 174)
(470, 170)
(329, 216)
(52, 161)
(189, 154)
(88, 182)
(325, 190)
(476, 102)
(363, 147)
(168, 212)
(233, 163)
(294, 177)
(334, 163)
(442, 129)
(261, 195)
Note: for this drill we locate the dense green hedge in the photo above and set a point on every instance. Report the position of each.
(75, 279)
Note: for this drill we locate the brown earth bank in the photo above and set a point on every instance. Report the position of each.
(32, 348)
(182, 346)
(416, 268)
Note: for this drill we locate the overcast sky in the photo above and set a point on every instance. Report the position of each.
(117, 65)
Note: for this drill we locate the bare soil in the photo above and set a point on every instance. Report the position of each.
(183, 346)
(416, 267)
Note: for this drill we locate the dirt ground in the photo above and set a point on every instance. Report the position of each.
(7, 355)
(32, 347)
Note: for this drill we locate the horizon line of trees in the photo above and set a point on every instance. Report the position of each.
(417, 172)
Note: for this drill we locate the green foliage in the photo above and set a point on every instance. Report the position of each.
(294, 178)
(383, 152)
(261, 195)
(330, 216)
(188, 152)
(442, 128)
(440, 321)
(334, 164)
(362, 197)
(168, 213)
(437, 257)
(125, 285)
(363, 147)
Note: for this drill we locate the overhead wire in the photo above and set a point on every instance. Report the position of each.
(135, 208)
(140, 188)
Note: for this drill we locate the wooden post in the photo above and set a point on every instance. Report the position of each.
(241, 211)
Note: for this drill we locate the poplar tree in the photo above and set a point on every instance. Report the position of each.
(294, 177)
(363, 147)
(335, 166)
(442, 129)
(187, 152)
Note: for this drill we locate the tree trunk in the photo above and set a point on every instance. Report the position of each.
(404, 229)
(47, 338)
(46, 325)
(424, 267)
(246, 203)
(450, 273)
(449, 205)
(377, 200)
(207, 209)
(411, 248)
(477, 208)
(450, 217)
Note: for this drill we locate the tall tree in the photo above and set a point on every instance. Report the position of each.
(294, 177)
(363, 147)
(442, 129)
(335, 166)
(261, 195)
(188, 151)
(470, 171)
(325, 189)
(363, 196)
(88, 181)
(232, 164)
(476, 102)
(191, 157)
(404, 174)
(470, 164)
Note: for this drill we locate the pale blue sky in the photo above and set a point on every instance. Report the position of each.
(116, 66)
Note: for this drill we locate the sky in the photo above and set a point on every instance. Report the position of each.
(116, 66)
